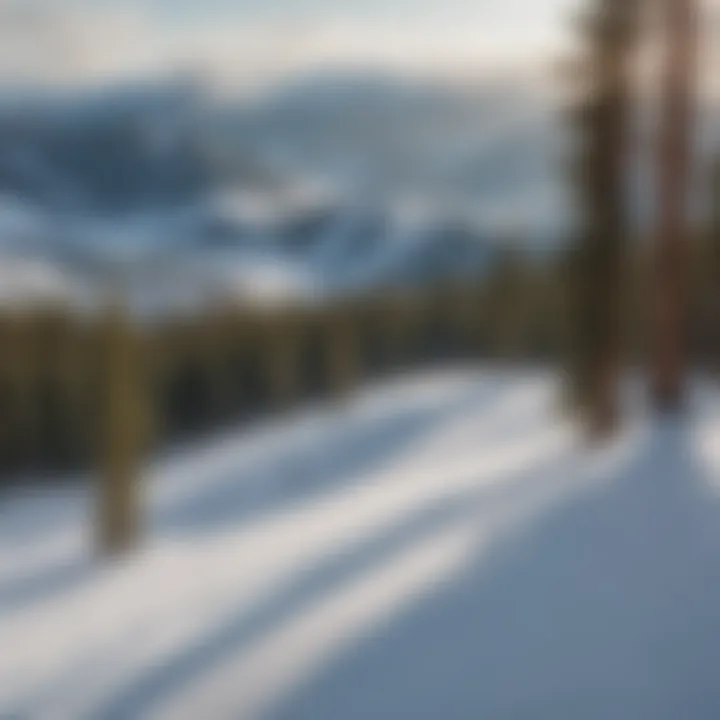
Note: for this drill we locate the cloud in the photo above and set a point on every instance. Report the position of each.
(75, 40)
(47, 41)
(250, 44)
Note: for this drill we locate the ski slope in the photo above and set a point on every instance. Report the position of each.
(441, 546)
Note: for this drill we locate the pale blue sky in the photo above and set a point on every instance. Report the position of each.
(278, 37)
(505, 12)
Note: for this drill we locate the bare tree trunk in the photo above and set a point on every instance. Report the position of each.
(125, 421)
(674, 164)
(604, 122)
(712, 298)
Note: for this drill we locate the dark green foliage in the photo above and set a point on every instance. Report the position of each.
(509, 297)
(227, 364)
(282, 350)
(203, 371)
(342, 353)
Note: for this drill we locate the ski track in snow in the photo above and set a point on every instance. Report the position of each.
(440, 546)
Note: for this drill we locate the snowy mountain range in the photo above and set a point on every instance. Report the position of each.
(325, 185)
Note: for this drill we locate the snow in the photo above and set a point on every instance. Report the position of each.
(442, 545)
(28, 282)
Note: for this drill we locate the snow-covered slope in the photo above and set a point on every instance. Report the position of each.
(439, 547)
(192, 255)
(28, 282)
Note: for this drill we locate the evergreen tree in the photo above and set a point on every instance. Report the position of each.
(282, 357)
(670, 291)
(343, 354)
(125, 418)
(509, 298)
(712, 269)
(596, 266)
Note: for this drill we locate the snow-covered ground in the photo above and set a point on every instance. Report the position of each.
(440, 547)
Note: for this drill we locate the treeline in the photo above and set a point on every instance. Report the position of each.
(190, 375)
(197, 373)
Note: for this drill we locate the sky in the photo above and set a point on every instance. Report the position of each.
(255, 42)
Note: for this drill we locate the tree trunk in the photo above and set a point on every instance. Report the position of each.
(597, 269)
(124, 420)
(674, 163)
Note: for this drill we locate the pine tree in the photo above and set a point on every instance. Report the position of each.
(671, 259)
(603, 122)
(125, 418)
(712, 268)
(282, 346)
(508, 288)
(343, 355)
